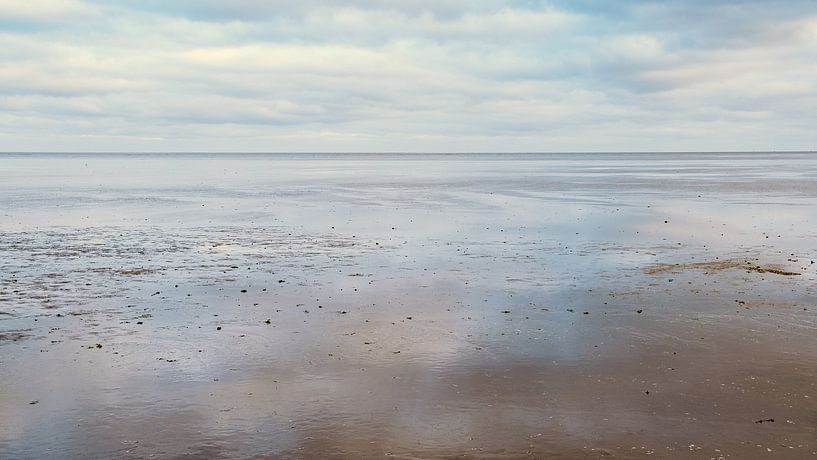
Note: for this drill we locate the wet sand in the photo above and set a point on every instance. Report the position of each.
(357, 306)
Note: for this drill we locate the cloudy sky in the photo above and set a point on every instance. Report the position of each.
(407, 75)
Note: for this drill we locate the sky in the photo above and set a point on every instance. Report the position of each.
(407, 75)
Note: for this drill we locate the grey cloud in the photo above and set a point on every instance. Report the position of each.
(260, 10)
(407, 75)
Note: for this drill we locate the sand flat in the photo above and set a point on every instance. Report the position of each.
(408, 306)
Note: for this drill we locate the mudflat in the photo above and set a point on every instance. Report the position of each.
(408, 306)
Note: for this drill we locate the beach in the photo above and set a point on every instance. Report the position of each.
(408, 306)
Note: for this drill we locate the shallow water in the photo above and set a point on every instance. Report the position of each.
(408, 306)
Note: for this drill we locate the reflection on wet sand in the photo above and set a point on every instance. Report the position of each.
(573, 307)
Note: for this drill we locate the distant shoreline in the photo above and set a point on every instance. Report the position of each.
(759, 152)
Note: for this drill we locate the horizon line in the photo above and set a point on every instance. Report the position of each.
(587, 152)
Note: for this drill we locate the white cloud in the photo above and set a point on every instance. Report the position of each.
(637, 48)
(403, 76)
(42, 10)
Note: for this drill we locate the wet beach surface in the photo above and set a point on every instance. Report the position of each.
(398, 306)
